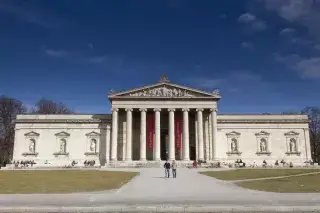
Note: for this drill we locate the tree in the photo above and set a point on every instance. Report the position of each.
(46, 106)
(314, 128)
(9, 108)
(290, 113)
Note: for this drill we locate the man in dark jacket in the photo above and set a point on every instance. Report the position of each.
(167, 169)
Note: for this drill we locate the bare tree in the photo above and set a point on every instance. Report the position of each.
(314, 127)
(46, 106)
(9, 108)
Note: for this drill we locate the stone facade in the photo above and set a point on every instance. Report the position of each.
(121, 137)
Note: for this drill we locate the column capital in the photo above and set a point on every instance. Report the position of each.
(129, 109)
(171, 110)
(199, 110)
(115, 109)
(185, 110)
(213, 110)
(142, 109)
(157, 110)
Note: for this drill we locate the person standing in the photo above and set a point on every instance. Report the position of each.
(167, 169)
(174, 169)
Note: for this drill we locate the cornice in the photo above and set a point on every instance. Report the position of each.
(108, 120)
(63, 120)
(256, 121)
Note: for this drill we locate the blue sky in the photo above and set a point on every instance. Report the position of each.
(263, 55)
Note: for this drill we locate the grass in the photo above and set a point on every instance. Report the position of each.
(242, 174)
(307, 183)
(21, 182)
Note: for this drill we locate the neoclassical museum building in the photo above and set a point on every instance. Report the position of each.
(158, 122)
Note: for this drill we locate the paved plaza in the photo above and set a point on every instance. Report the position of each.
(190, 191)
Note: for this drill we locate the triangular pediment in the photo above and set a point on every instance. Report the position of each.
(166, 90)
(93, 133)
(233, 133)
(62, 134)
(262, 133)
(31, 134)
(291, 133)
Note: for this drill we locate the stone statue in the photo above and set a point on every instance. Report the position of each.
(62, 146)
(263, 145)
(216, 92)
(93, 146)
(163, 91)
(32, 147)
(234, 146)
(292, 145)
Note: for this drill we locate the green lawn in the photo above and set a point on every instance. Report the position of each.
(61, 181)
(307, 183)
(242, 174)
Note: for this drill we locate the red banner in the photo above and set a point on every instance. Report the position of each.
(178, 132)
(150, 130)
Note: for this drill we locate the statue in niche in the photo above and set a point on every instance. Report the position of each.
(63, 146)
(32, 146)
(93, 145)
(234, 147)
(293, 147)
(263, 145)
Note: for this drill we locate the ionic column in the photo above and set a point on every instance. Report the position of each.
(129, 135)
(185, 144)
(206, 133)
(196, 137)
(200, 133)
(157, 131)
(214, 133)
(114, 141)
(171, 134)
(108, 144)
(143, 135)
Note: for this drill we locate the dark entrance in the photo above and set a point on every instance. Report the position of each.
(163, 146)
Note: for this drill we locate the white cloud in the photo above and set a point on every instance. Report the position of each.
(232, 81)
(97, 59)
(28, 14)
(252, 21)
(303, 12)
(287, 31)
(308, 68)
(56, 53)
(206, 83)
(248, 46)
(317, 47)
(246, 18)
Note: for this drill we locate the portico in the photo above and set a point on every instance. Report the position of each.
(164, 121)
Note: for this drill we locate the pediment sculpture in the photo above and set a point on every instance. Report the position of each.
(163, 91)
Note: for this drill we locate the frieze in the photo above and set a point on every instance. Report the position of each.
(262, 121)
(63, 121)
(163, 91)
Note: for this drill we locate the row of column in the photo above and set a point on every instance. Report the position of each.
(171, 154)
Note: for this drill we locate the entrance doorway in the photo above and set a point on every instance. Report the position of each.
(164, 148)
